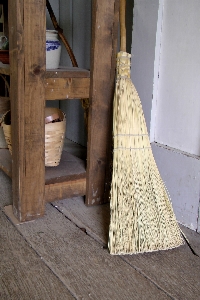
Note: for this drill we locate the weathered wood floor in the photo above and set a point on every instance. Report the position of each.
(64, 256)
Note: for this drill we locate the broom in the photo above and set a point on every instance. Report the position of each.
(141, 214)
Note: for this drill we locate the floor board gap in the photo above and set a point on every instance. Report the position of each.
(148, 278)
(105, 246)
(87, 232)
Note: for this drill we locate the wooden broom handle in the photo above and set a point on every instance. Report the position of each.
(61, 35)
(122, 17)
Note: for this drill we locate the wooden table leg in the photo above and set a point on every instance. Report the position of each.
(27, 28)
(102, 81)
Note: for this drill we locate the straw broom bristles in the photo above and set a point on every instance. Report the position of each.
(142, 218)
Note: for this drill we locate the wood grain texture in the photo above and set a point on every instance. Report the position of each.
(66, 180)
(81, 263)
(67, 72)
(66, 189)
(67, 88)
(27, 94)
(193, 238)
(70, 168)
(24, 274)
(61, 72)
(94, 219)
(168, 269)
(177, 271)
(103, 61)
(64, 83)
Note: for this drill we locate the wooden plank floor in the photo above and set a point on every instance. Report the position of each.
(24, 274)
(64, 256)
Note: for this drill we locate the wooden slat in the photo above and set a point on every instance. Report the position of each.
(86, 269)
(68, 72)
(27, 93)
(61, 182)
(176, 271)
(70, 168)
(23, 274)
(66, 180)
(61, 72)
(64, 83)
(94, 219)
(103, 61)
(66, 88)
(193, 238)
(63, 190)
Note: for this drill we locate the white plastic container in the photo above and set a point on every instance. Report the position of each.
(53, 49)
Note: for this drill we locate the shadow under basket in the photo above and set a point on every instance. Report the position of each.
(55, 127)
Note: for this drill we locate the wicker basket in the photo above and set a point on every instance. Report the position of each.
(6, 124)
(4, 56)
(3, 144)
(55, 127)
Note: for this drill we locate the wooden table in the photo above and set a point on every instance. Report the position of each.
(31, 85)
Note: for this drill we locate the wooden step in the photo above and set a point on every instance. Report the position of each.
(66, 180)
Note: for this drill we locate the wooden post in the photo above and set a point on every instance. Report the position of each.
(103, 61)
(27, 28)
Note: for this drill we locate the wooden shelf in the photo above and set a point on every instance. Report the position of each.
(63, 83)
(68, 179)
(67, 72)
(61, 72)
(32, 183)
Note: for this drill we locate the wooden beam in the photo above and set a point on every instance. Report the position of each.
(67, 88)
(66, 180)
(68, 72)
(27, 28)
(63, 190)
(102, 80)
(64, 83)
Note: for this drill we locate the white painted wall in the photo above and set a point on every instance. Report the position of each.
(143, 51)
(181, 174)
(167, 42)
(178, 99)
